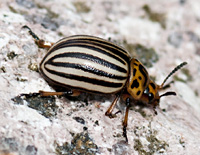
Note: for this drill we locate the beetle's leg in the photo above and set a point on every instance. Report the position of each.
(111, 108)
(44, 93)
(29, 95)
(41, 43)
(125, 122)
(154, 109)
(69, 93)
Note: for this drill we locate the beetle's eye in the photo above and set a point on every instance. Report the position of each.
(151, 96)
(146, 91)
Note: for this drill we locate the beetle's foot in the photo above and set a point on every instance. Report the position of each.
(29, 95)
(125, 134)
(119, 111)
(110, 115)
(155, 112)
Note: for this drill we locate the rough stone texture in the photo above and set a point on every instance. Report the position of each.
(169, 28)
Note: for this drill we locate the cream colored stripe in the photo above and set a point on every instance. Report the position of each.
(79, 72)
(90, 63)
(86, 51)
(81, 84)
(96, 40)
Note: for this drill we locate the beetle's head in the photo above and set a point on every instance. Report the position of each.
(141, 88)
(151, 93)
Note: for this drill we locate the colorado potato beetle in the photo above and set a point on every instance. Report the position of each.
(84, 63)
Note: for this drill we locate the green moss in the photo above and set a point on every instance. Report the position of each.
(176, 78)
(156, 145)
(154, 16)
(139, 147)
(187, 73)
(80, 144)
(147, 56)
(153, 146)
(81, 7)
(46, 106)
(12, 9)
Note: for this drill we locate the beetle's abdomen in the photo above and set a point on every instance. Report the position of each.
(86, 63)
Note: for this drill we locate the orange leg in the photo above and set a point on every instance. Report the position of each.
(44, 93)
(70, 93)
(41, 43)
(125, 122)
(111, 108)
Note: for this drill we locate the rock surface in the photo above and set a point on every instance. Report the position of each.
(162, 33)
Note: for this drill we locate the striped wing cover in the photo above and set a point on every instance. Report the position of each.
(86, 63)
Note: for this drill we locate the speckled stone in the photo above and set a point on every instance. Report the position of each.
(165, 32)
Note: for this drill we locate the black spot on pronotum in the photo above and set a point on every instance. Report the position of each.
(138, 93)
(134, 72)
(144, 73)
(153, 85)
(140, 77)
(135, 84)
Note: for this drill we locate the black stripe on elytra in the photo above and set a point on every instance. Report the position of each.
(88, 69)
(97, 46)
(85, 79)
(95, 39)
(144, 73)
(89, 57)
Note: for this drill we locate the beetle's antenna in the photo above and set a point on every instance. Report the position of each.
(168, 93)
(31, 33)
(173, 71)
(41, 43)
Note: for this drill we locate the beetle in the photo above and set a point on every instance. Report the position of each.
(84, 63)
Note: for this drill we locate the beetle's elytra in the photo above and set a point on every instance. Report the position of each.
(90, 64)
(86, 63)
